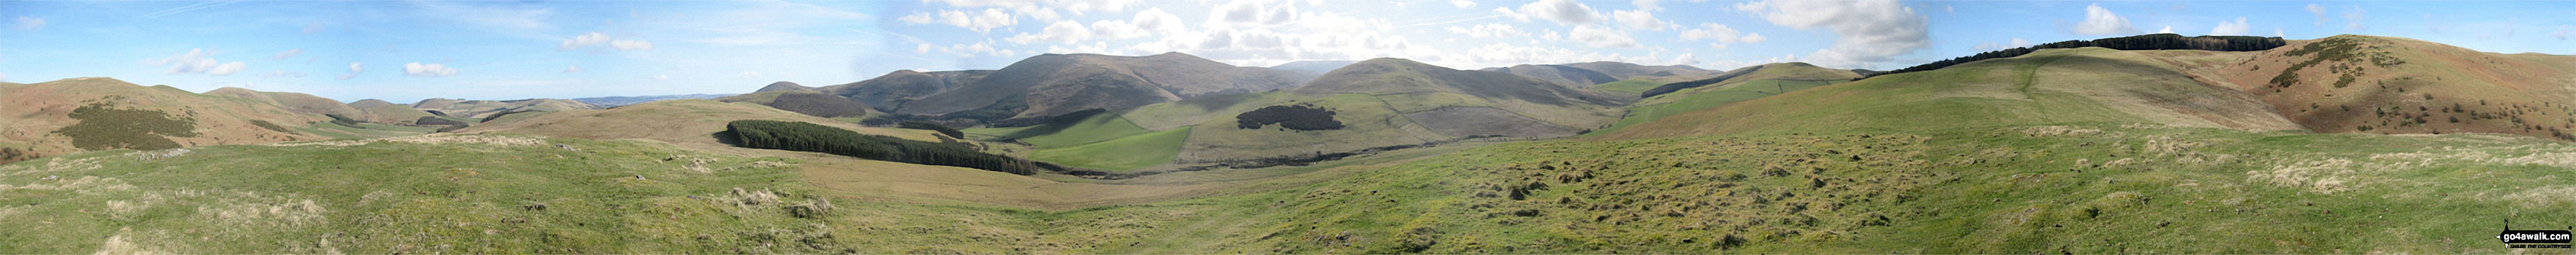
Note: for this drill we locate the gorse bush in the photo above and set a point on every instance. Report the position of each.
(800, 136)
(103, 127)
(436, 121)
(13, 155)
(2141, 42)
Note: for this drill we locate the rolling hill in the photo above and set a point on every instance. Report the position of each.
(1624, 70)
(379, 111)
(477, 109)
(1567, 76)
(676, 121)
(1374, 104)
(2048, 86)
(2388, 85)
(616, 101)
(79, 114)
(807, 102)
(782, 85)
(891, 90)
(1054, 84)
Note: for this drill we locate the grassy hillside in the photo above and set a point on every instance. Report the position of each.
(2049, 86)
(477, 109)
(1093, 129)
(2372, 84)
(1679, 103)
(1124, 153)
(1054, 84)
(677, 121)
(379, 111)
(421, 194)
(77, 114)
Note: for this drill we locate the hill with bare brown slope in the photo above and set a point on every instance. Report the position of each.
(676, 121)
(889, 91)
(2048, 86)
(1624, 70)
(2371, 84)
(1558, 74)
(1055, 84)
(379, 111)
(101, 113)
(1795, 71)
(782, 85)
(476, 109)
(306, 104)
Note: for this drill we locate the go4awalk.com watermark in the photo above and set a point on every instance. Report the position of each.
(2533, 239)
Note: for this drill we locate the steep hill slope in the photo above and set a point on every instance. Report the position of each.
(101, 113)
(778, 86)
(891, 90)
(676, 121)
(301, 103)
(379, 111)
(1559, 74)
(1799, 71)
(1624, 70)
(1308, 70)
(477, 109)
(1374, 104)
(807, 102)
(2371, 84)
(1054, 84)
(2048, 86)
(627, 100)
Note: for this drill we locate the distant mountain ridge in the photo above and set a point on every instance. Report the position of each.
(1054, 84)
(615, 101)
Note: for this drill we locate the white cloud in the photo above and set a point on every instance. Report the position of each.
(198, 61)
(661, 77)
(1462, 3)
(354, 69)
(1640, 20)
(284, 73)
(1062, 31)
(25, 22)
(583, 40)
(2276, 32)
(2099, 21)
(427, 70)
(598, 38)
(4, 77)
(1076, 6)
(631, 44)
(2320, 11)
(1252, 13)
(2166, 30)
(916, 18)
(1507, 12)
(750, 75)
(982, 21)
(2353, 18)
(1721, 33)
(1486, 31)
(287, 54)
(2561, 34)
(315, 27)
(573, 69)
(2232, 28)
(1151, 21)
(2016, 42)
(1648, 5)
(1561, 11)
(1865, 31)
(1600, 37)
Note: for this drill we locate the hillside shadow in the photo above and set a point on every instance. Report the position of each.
(727, 138)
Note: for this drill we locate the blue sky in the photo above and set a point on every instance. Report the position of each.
(404, 51)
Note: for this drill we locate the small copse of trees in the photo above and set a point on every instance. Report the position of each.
(2141, 42)
(1305, 117)
(809, 137)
